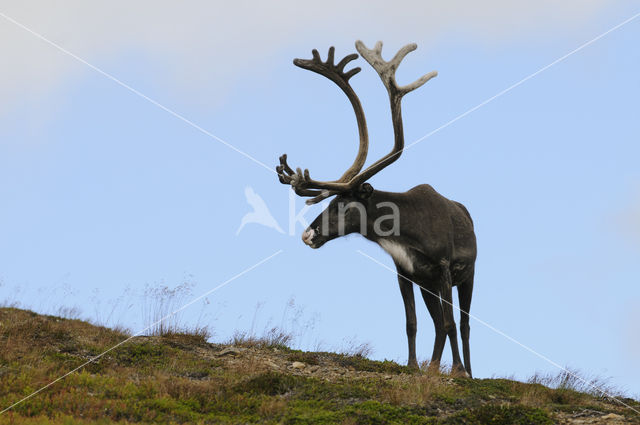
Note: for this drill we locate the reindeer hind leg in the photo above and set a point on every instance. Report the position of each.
(432, 301)
(449, 321)
(465, 290)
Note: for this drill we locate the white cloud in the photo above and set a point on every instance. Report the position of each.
(205, 46)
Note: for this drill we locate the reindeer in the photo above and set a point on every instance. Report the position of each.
(431, 239)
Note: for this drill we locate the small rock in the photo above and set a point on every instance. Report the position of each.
(229, 351)
(387, 376)
(298, 365)
(612, 416)
(272, 365)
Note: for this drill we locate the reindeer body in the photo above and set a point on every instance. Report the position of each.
(436, 249)
(433, 229)
(431, 238)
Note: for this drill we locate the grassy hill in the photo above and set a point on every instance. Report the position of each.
(181, 378)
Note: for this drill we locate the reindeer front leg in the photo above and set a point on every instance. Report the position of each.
(406, 289)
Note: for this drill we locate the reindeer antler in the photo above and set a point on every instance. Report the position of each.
(336, 74)
(300, 180)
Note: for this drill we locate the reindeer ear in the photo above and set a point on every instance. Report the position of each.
(364, 191)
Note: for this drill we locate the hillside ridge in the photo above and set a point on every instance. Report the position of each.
(183, 378)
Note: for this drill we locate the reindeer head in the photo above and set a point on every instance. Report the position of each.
(351, 190)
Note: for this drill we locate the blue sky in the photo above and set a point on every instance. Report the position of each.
(104, 194)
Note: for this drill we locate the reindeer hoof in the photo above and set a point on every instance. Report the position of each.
(459, 372)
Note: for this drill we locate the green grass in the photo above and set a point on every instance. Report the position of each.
(180, 378)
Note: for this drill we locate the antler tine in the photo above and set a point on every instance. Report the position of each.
(404, 51)
(286, 175)
(324, 194)
(284, 166)
(330, 55)
(353, 56)
(377, 49)
(387, 70)
(418, 83)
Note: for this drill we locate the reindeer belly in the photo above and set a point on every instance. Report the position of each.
(419, 268)
(400, 254)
